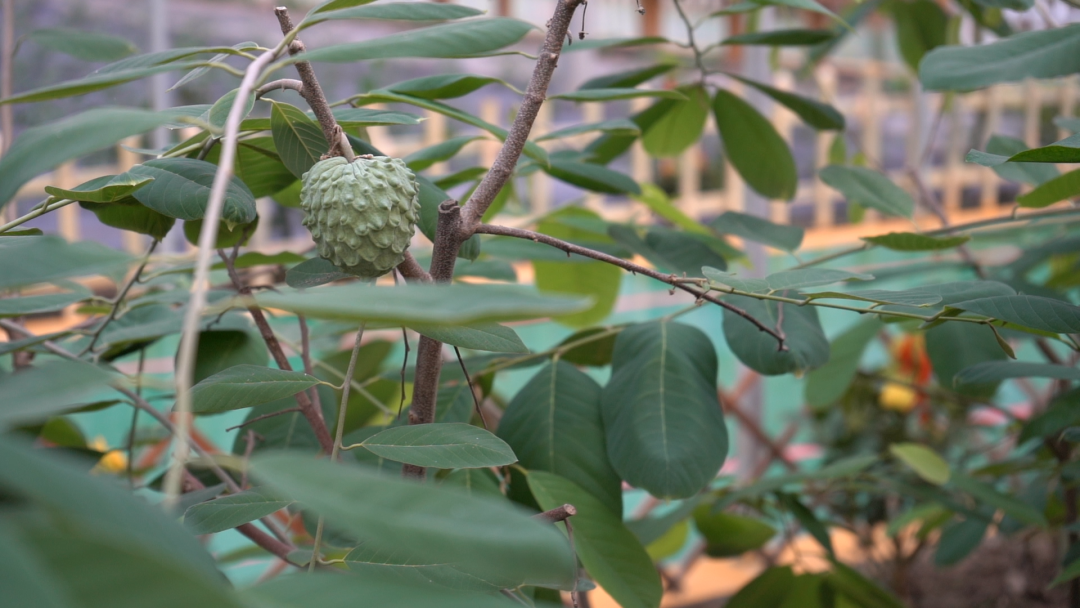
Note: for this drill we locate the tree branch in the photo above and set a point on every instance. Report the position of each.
(411, 269)
(670, 279)
(310, 89)
(284, 84)
(313, 414)
(557, 514)
(429, 352)
(120, 299)
(535, 94)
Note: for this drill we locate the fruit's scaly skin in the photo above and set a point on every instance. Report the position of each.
(363, 214)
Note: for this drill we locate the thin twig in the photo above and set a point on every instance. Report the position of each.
(632, 267)
(472, 389)
(7, 56)
(404, 365)
(699, 55)
(557, 514)
(309, 89)
(535, 94)
(305, 356)
(120, 299)
(189, 337)
(263, 417)
(135, 419)
(285, 84)
(313, 415)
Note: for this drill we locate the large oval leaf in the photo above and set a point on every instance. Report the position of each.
(450, 40)
(829, 382)
(46, 390)
(868, 188)
(39, 149)
(554, 424)
(342, 591)
(814, 113)
(491, 337)
(38, 259)
(1039, 54)
(448, 445)
(1036, 312)
(730, 535)
(181, 189)
(807, 347)
(473, 534)
(681, 126)
(754, 147)
(246, 386)
(88, 46)
(228, 512)
(665, 431)
(408, 305)
(610, 552)
(299, 139)
(393, 11)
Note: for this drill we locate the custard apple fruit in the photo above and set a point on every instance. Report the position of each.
(362, 214)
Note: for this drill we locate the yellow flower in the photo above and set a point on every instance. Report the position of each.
(113, 461)
(898, 397)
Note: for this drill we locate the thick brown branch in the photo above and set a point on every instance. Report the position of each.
(310, 89)
(557, 514)
(411, 270)
(312, 413)
(285, 84)
(632, 267)
(535, 95)
(429, 352)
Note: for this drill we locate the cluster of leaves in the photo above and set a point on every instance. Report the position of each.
(564, 438)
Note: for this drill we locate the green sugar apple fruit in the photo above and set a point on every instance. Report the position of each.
(362, 214)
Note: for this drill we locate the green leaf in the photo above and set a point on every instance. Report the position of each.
(1065, 151)
(101, 79)
(780, 281)
(1038, 54)
(473, 534)
(681, 126)
(312, 273)
(376, 589)
(751, 227)
(665, 431)
(426, 157)
(609, 551)
(618, 126)
(392, 11)
(817, 114)
(1068, 573)
(130, 214)
(629, 78)
(245, 386)
(218, 113)
(407, 305)
(333, 5)
(444, 86)
(754, 147)
(181, 189)
(40, 149)
(104, 189)
(1036, 312)
(657, 200)
(299, 139)
(596, 178)
(394, 567)
(828, 383)
(1028, 173)
(770, 588)
(596, 352)
(220, 350)
(1061, 415)
(442, 446)
(953, 347)
(1011, 506)
(259, 167)
(857, 588)
(958, 540)
(924, 461)
(554, 424)
(463, 39)
(910, 241)
(921, 26)
(490, 337)
(19, 306)
(1058, 189)
(730, 535)
(598, 280)
(807, 520)
(619, 93)
(671, 250)
(614, 43)
(88, 46)
(806, 5)
(351, 118)
(807, 346)
(234, 510)
(61, 485)
(994, 371)
(792, 37)
(38, 259)
(532, 150)
(869, 189)
(43, 391)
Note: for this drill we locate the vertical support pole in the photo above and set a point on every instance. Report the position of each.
(954, 159)
(873, 113)
(689, 196)
(990, 179)
(540, 186)
(134, 242)
(67, 217)
(434, 132)
(823, 207)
